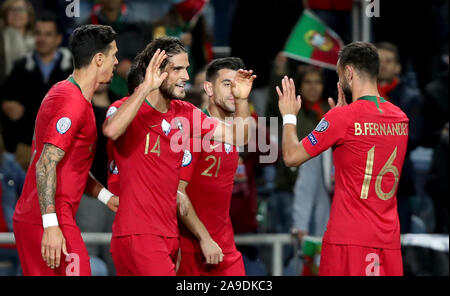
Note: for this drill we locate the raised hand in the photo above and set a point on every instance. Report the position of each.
(341, 98)
(153, 76)
(242, 84)
(288, 103)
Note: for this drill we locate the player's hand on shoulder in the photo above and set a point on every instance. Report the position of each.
(288, 101)
(52, 244)
(211, 250)
(113, 203)
(242, 84)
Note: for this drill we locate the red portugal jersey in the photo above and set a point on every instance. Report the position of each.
(210, 173)
(369, 139)
(148, 156)
(66, 120)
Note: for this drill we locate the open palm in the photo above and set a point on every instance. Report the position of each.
(242, 84)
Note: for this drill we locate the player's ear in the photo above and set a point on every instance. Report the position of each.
(207, 86)
(99, 59)
(349, 73)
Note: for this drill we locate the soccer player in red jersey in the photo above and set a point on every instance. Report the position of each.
(64, 148)
(369, 138)
(148, 134)
(206, 180)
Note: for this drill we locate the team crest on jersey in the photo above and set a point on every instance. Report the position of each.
(113, 167)
(187, 158)
(165, 127)
(63, 125)
(322, 126)
(227, 148)
(111, 111)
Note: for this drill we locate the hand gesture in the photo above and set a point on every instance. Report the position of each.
(153, 76)
(341, 98)
(242, 84)
(53, 242)
(288, 103)
(113, 203)
(211, 250)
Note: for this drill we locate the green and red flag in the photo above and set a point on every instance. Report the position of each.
(311, 41)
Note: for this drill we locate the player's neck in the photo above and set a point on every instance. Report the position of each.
(218, 112)
(86, 81)
(365, 89)
(158, 101)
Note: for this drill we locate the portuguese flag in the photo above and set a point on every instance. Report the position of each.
(311, 41)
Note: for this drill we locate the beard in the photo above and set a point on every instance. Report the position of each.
(168, 91)
(347, 92)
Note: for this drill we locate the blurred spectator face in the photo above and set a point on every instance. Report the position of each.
(173, 87)
(220, 90)
(311, 87)
(17, 16)
(111, 4)
(109, 63)
(47, 37)
(200, 79)
(389, 67)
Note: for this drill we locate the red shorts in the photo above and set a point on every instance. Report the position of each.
(193, 264)
(28, 240)
(349, 260)
(144, 254)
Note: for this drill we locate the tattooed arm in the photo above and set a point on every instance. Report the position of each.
(53, 241)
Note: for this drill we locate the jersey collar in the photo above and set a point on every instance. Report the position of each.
(72, 80)
(374, 99)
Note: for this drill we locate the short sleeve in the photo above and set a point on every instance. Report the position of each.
(113, 171)
(65, 121)
(190, 159)
(330, 131)
(113, 108)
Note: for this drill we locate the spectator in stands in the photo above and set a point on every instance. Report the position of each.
(436, 104)
(399, 91)
(16, 39)
(310, 84)
(335, 13)
(437, 182)
(12, 177)
(186, 22)
(29, 81)
(133, 35)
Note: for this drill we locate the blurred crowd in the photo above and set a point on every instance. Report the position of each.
(267, 198)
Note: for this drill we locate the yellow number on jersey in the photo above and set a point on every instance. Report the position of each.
(156, 148)
(206, 172)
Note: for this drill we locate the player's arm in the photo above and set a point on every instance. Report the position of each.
(294, 154)
(237, 133)
(210, 249)
(53, 241)
(117, 123)
(94, 188)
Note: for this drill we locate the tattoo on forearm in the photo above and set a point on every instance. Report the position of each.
(46, 177)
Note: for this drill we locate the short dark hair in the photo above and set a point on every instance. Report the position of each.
(171, 45)
(363, 56)
(216, 65)
(304, 70)
(389, 47)
(134, 78)
(48, 16)
(88, 40)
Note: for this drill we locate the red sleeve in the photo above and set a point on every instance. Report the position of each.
(65, 121)
(330, 131)
(113, 108)
(113, 171)
(190, 159)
